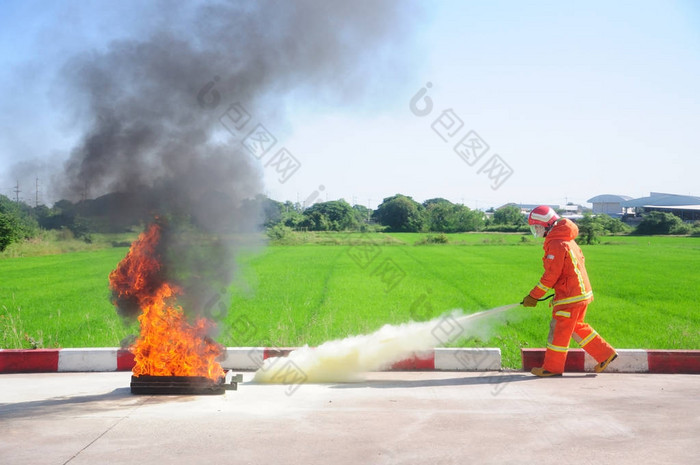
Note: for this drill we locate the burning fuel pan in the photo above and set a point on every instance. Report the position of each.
(182, 385)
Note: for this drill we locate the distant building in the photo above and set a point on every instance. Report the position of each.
(569, 211)
(687, 207)
(610, 204)
(525, 208)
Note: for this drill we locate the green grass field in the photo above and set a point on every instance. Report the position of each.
(336, 285)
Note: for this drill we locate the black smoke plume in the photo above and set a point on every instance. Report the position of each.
(150, 109)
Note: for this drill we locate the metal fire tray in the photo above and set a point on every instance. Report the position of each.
(182, 385)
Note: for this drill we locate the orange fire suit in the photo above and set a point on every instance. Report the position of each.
(565, 272)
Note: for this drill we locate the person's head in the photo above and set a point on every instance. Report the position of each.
(541, 219)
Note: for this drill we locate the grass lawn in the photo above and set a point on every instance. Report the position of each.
(332, 286)
(59, 300)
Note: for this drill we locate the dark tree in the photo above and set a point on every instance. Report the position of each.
(659, 223)
(336, 215)
(508, 215)
(401, 214)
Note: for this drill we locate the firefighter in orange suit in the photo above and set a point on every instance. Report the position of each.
(565, 272)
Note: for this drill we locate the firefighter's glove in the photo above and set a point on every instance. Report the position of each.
(529, 301)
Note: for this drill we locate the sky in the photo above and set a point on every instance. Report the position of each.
(481, 103)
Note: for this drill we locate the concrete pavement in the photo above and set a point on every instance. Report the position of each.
(392, 418)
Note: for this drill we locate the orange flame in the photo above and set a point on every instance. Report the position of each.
(168, 344)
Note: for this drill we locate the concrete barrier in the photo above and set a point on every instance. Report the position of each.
(628, 361)
(235, 358)
(440, 359)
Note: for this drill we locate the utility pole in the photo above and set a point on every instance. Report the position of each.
(84, 193)
(36, 198)
(17, 191)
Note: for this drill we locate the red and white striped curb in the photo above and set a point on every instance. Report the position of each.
(441, 359)
(237, 358)
(628, 361)
(49, 360)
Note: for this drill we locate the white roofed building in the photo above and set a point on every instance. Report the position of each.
(611, 204)
(687, 207)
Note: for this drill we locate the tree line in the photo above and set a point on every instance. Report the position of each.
(398, 213)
